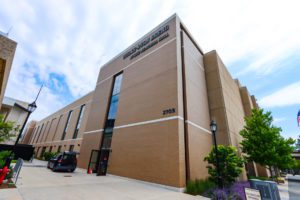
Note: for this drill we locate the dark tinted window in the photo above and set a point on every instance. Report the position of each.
(117, 85)
(113, 107)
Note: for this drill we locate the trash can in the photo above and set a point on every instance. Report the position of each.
(268, 189)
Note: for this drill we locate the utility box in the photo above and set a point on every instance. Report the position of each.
(268, 189)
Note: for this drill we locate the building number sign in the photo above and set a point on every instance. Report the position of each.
(169, 111)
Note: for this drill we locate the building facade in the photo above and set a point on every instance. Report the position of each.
(14, 110)
(7, 52)
(148, 117)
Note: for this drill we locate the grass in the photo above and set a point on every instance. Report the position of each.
(199, 187)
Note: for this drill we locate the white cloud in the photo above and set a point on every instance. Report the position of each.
(74, 38)
(287, 96)
(279, 119)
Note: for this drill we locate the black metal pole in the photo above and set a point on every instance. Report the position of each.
(9, 159)
(20, 133)
(220, 183)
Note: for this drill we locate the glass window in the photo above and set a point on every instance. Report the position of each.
(113, 107)
(71, 148)
(40, 133)
(59, 148)
(67, 125)
(117, 85)
(79, 121)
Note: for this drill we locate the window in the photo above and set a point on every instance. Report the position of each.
(49, 129)
(50, 149)
(80, 116)
(113, 107)
(67, 125)
(56, 127)
(43, 151)
(71, 148)
(59, 148)
(112, 113)
(35, 134)
(117, 85)
(37, 152)
(44, 133)
(40, 133)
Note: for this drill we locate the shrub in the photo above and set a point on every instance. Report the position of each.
(230, 164)
(48, 155)
(3, 156)
(199, 187)
(236, 192)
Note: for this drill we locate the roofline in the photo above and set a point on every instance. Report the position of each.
(130, 46)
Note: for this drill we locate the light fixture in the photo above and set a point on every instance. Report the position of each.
(213, 126)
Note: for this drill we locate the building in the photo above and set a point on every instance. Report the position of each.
(29, 131)
(14, 110)
(148, 117)
(7, 52)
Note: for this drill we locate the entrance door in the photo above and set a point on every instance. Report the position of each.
(104, 155)
(94, 160)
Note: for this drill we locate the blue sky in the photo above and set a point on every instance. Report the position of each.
(64, 43)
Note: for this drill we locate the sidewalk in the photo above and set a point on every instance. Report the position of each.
(284, 190)
(35, 163)
(36, 182)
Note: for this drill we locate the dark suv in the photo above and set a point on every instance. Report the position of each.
(65, 161)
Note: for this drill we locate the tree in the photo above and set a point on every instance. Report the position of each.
(7, 129)
(231, 166)
(262, 142)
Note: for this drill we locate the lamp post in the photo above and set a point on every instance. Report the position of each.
(31, 107)
(213, 128)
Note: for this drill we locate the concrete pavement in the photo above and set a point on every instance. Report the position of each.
(294, 187)
(39, 183)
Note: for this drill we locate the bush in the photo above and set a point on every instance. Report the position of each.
(3, 156)
(236, 192)
(230, 164)
(199, 187)
(48, 155)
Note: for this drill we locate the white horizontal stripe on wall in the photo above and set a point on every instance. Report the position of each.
(197, 126)
(149, 122)
(94, 131)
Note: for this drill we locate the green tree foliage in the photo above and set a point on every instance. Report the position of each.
(230, 164)
(7, 129)
(48, 155)
(262, 142)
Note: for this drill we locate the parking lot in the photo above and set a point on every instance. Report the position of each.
(36, 182)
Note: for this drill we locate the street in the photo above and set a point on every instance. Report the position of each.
(294, 187)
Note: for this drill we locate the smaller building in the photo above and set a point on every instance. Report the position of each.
(14, 110)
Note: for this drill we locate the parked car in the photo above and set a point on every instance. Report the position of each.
(65, 161)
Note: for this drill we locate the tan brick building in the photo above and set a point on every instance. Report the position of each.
(149, 115)
(7, 52)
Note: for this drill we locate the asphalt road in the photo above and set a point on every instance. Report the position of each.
(294, 187)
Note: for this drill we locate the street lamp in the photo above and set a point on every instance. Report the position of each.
(213, 128)
(31, 107)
